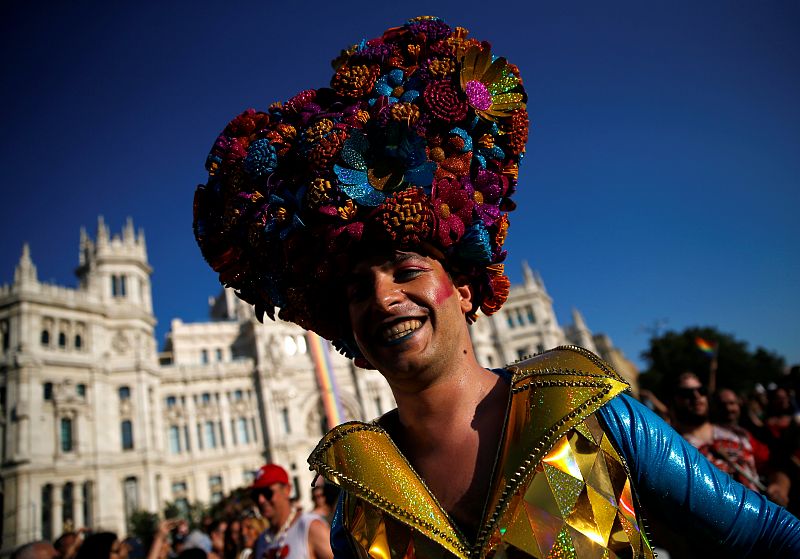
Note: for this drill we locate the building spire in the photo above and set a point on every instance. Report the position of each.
(527, 275)
(25, 273)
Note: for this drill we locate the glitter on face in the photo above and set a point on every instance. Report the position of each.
(478, 95)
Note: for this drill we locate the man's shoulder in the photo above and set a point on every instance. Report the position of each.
(563, 360)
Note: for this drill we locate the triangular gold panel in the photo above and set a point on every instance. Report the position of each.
(519, 532)
(563, 548)
(565, 489)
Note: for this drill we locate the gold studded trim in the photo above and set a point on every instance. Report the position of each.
(454, 542)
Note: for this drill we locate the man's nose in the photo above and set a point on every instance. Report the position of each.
(387, 292)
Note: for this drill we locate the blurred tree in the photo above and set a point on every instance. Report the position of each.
(143, 526)
(673, 353)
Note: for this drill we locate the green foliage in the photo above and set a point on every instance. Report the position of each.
(193, 513)
(143, 525)
(738, 368)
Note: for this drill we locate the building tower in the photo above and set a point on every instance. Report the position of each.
(74, 362)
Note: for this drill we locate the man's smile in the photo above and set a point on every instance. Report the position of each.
(397, 331)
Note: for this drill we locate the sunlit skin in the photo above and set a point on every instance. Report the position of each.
(450, 409)
(278, 509)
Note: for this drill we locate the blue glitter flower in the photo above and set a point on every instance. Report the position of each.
(261, 158)
(485, 148)
(393, 86)
(475, 246)
(402, 161)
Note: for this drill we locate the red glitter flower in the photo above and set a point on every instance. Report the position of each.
(452, 206)
(518, 133)
(445, 101)
(355, 81)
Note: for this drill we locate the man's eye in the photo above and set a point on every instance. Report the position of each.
(407, 274)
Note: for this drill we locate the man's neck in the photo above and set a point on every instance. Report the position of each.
(280, 519)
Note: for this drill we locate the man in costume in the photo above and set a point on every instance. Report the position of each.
(374, 212)
(291, 534)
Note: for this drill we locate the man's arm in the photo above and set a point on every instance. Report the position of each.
(671, 476)
(319, 540)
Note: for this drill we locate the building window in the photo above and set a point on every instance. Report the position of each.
(87, 504)
(62, 340)
(130, 492)
(45, 338)
(254, 430)
(78, 341)
(199, 436)
(127, 434)
(124, 392)
(531, 316)
(206, 397)
(67, 503)
(47, 512)
(490, 360)
(66, 434)
(219, 354)
(117, 286)
(539, 348)
(510, 320)
(5, 333)
(241, 431)
(520, 319)
(215, 488)
(80, 390)
(238, 395)
(174, 439)
(249, 477)
(287, 427)
(47, 391)
(171, 401)
(204, 356)
(211, 436)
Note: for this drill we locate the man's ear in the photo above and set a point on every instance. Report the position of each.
(464, 290)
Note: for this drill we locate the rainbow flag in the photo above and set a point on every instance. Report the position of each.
(709, 348)
(320, 354)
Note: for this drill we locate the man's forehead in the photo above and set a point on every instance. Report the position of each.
(385, 260)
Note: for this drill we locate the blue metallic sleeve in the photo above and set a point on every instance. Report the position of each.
(672, 477)
(340, 541)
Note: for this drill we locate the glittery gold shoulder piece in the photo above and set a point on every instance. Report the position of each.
(568, 358)
(551, 393)
(384, 479)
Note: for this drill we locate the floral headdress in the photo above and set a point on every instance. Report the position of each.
(415, 145)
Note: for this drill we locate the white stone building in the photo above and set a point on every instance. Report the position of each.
(95, 423)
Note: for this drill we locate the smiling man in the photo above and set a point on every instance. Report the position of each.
(374, 212)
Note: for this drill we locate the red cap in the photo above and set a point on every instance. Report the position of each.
(269, 474)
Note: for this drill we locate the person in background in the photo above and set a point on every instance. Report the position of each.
(252, 527)
(36, 550)
(291, 534)
(102, 545)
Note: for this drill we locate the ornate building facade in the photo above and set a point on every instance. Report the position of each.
(95, 423)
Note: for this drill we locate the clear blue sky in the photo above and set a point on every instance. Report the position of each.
(662, 179)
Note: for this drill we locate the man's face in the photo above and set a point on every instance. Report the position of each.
(273, 501)
(406, 313)
(729, 406)
(691, 402)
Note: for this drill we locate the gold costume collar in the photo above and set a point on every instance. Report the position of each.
(550, 394)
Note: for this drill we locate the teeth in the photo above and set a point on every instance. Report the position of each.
(397, 331)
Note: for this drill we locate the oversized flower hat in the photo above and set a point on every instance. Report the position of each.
(415, 145)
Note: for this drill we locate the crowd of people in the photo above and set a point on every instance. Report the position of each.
(265, 524)
(754, 437)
